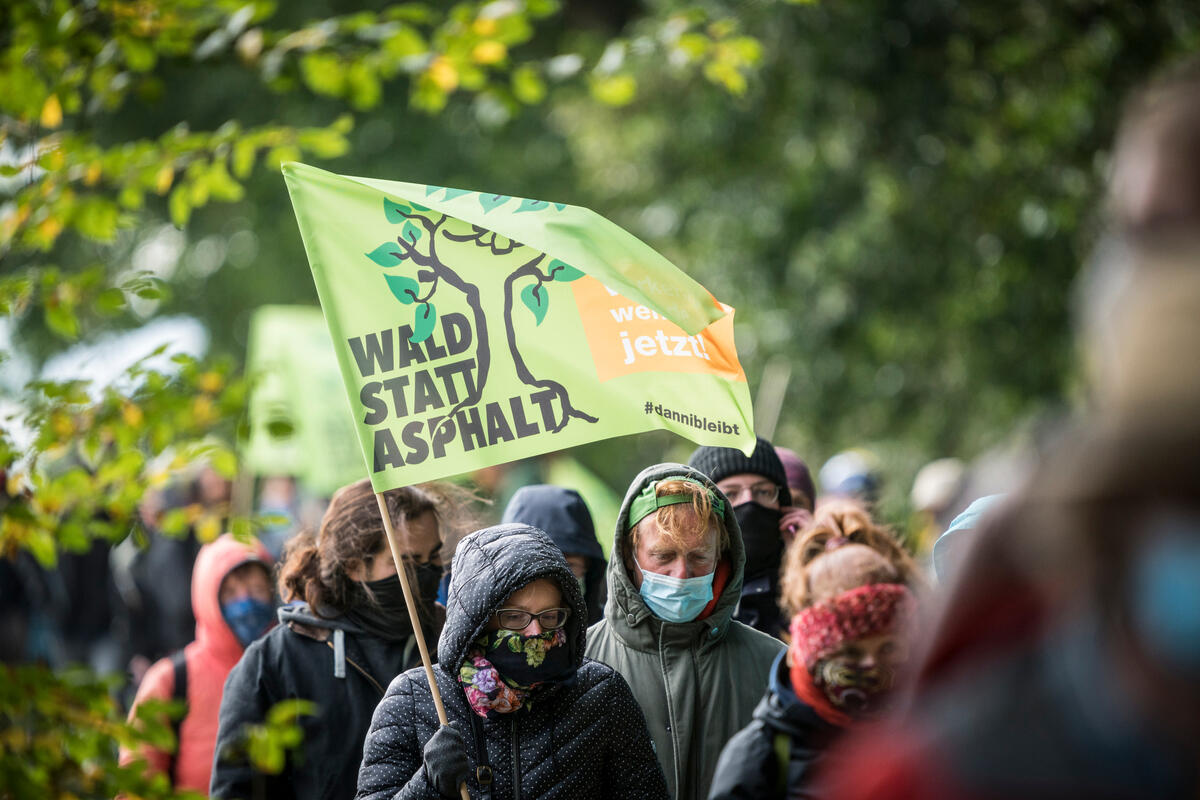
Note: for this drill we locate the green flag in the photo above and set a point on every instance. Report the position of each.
(475, 329)
(298, 406)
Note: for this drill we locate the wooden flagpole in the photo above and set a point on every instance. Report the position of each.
(414, 617)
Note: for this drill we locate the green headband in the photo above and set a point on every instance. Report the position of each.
(648, 500)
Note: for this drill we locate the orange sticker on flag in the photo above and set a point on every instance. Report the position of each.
(626, 337)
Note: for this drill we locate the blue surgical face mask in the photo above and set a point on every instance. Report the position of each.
(1166, 594)
(676, 599)
(248, 618)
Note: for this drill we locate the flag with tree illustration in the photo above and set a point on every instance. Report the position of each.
(473, 329)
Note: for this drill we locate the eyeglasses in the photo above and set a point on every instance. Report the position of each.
(761, 493)
(514, 619)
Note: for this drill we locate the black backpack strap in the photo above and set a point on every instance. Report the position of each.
(180, 692)
(483, 770)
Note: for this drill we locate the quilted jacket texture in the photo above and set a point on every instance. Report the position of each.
(583, 738)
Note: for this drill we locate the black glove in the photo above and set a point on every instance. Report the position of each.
(445, 758)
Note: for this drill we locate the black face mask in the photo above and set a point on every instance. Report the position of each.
(386, 617)
(760, 535)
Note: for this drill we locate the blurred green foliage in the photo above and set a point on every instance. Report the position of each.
(59, 735)
(896, 197)
(121, 117)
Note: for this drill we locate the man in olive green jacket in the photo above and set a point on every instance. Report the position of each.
(674, 579)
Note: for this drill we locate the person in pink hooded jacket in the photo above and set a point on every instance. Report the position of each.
(234, 604)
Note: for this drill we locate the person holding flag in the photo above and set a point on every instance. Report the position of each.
(674, 580)
(474, 329)
(344, 636)
(528, 714)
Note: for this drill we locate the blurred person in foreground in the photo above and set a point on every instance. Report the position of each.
(756, 486)
(674, 580)
(234, 603)
(343, 637)
(847, 644)
(529, 715)
(565, 518)
(1066, 661)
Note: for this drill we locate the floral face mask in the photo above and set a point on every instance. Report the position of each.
(502, 667)
(856, 691)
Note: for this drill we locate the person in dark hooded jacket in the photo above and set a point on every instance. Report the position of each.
(339, 646)
(563, 515)
(757, 489)
(529, 715)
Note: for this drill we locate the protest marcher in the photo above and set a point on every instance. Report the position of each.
(757, 489)
(1065, 663)
(674, 579)
(937, 493)
(952, 546)
(154, 582)
(839, 668)
(344, 636)
(529, 715)
(852, 474)
(837, 523)
(234, 603)
(797, 512)
(563, 515)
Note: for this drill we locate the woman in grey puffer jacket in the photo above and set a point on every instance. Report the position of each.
(529, 715)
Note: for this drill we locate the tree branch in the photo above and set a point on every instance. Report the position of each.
(530, 270)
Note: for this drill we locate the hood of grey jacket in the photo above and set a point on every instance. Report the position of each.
(627, 612)
(491, 564)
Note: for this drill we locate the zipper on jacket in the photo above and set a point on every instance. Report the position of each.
(364, 673)
(516, 757)
(671, 726)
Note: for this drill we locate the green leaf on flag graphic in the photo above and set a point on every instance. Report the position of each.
(404, 287)
(385, 255)
(395, 212)
(423, 322)
(536, 300)
(532, 205)
(410, 232)
(491, 201)
(535, 326)
(564, 273)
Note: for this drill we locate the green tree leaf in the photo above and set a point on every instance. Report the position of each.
(423, 320)
(536, 300)
(528, 86)
(96, 218)
(180, 206)
(110, 301)
(614, 90)
(403, 287)
(386, 255)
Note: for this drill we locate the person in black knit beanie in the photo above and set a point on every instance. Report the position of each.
(757, 489)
